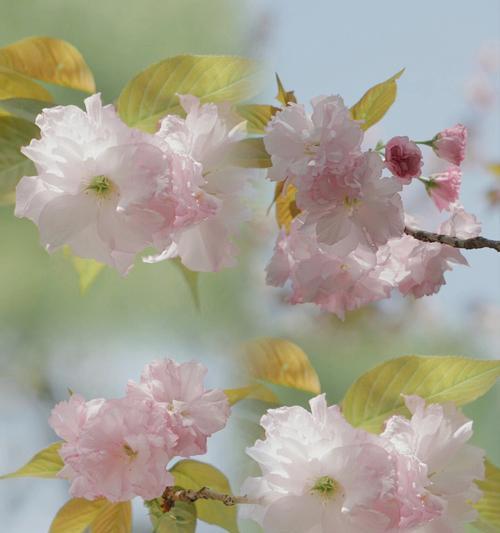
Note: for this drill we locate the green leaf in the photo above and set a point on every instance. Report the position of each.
(153, 93)
(256, 391)
(46, 464)
(250, 153)
(489, 505)
(257, 116)
(14, 133)
(283, 96)
(375, 103)
(281, 362)
(115, 518)
(180, 519)
(76, 515)
(376, 395)
(25, 108)
(51, 60)
(87, 269)
(195, 475)
(192, 279)
(15, 85)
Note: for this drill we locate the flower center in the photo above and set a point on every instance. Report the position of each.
(132, 454)
(101, 185)
(325, 487)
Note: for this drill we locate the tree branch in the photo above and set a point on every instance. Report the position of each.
(467, 244)
(173, 494)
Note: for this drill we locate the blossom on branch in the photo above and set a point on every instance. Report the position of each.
(444, 187)
(403, 158)
(450, 144)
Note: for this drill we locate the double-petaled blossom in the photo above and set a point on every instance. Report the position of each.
(353, 207)
(207, 136)
(403, 158)
(119, 449)
(320, 474)
(318, 274)
(194, 412)
(96, 179)
(450, 144)
(116, 449)
(436, 438)
(299, 142)
(422, 265)
(444, 187)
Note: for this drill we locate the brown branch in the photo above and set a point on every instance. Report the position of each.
(173, 494)
(468, 244)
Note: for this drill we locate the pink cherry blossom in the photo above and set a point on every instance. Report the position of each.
(320, 474)
(358, 209)
(207, 136)
(450, 144)
(195, 413)
(96, 178)
(121, 451)
(444, 187)
(298, 141)
(436, 436)
(460, 224)
(403, 158)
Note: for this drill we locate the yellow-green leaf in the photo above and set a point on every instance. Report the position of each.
(192, 279)
(51, 60)
(250, 153)
(255, 391)
(494, 168)
(115, 518)
(281, 362)
(257, 116)
(283, 96)
(76, 515)
(15, 85)
(489, 505)
(376, 395)
(375, 103)
(153, 93)
(14, 133)
(46, 464)
(87, 269)
(25, 108)
(180, 519)
(190, 474)
(286, 207)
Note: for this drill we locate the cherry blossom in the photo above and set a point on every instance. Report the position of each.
(436, 436)
(194, 412)
(444, 187)
(298, 141)
(207, 136)
(121, 450)
(403, 158)
(95, 180)
(320, 474)
(354, 207)
(450, 144)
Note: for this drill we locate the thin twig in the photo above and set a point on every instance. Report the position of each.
(172, 495)
(468, 244)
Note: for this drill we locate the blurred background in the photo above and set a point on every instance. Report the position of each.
(52, 338)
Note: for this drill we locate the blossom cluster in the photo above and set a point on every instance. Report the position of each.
(347, 246)
(120, 448)
(110, 191)
(320, 474)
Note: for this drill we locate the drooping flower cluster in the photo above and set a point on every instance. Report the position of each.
(320, 474)
(119, 449)
(110, 191)
(346, 247)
